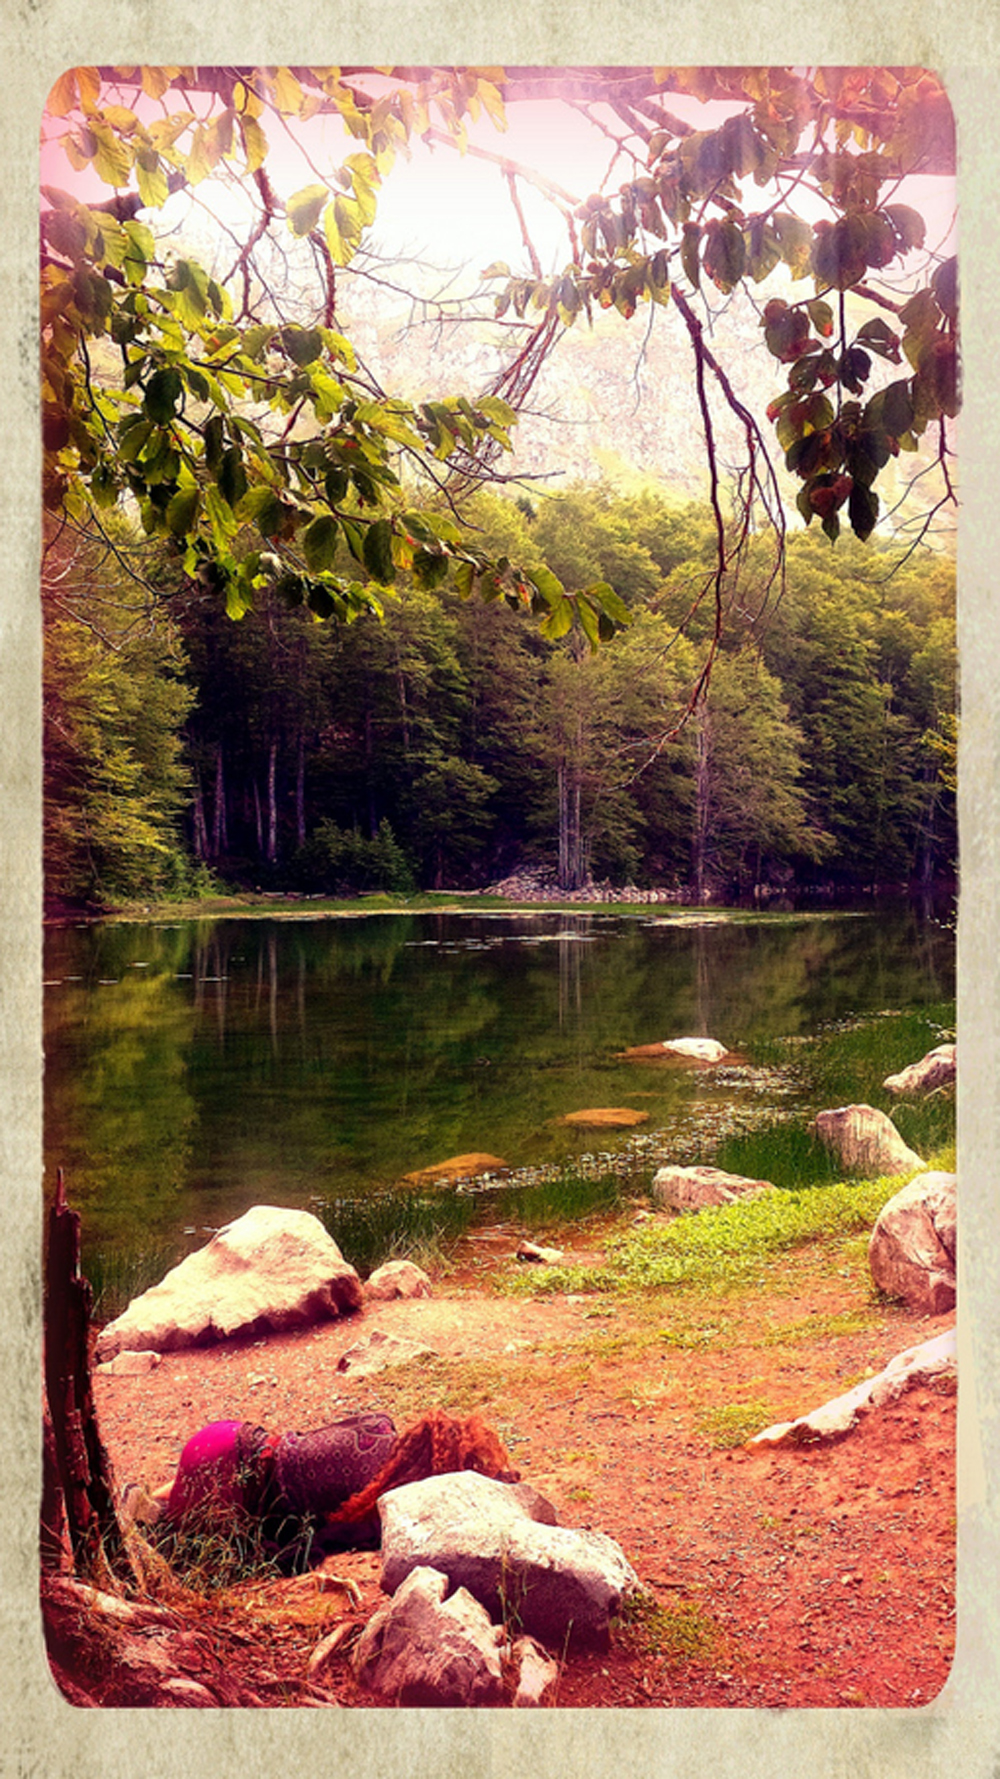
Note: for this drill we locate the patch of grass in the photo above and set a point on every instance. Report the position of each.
(723, 1247)
(733, 1423)
(681, 1633)
(403, 1224)
(844, 1063)
(812, 1328)
(117, 1275)
(396, 1225)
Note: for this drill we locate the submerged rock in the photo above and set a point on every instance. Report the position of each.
(271, 1269)
(457, 1167)
(605, 1118)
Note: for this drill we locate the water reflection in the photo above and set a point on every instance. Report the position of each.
(194, 1069)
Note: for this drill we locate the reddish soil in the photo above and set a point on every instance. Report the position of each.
(819, 1576)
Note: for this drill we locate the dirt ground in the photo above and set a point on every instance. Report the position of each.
(820, 1576)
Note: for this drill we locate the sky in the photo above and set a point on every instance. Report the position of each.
(456, 210)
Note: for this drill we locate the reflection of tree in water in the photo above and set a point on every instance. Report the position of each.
(262, 1061)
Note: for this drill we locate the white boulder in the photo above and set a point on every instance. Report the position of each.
(425, 1649)
(936, 1069)
(865, 1141)
(500, 1541)
(271, 1269)
(692, 1188)
(911, 1253)
(931, 1359)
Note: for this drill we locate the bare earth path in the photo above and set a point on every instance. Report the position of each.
(817, 1577)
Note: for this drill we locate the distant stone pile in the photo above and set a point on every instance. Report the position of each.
(540, 886)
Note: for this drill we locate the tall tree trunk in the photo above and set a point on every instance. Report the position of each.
(369, 775)
(258, 818)
(220, 830)
(300, 790)
(200, 830)
(272, 804)
(404, 714)
(572, 872)
(702, 800)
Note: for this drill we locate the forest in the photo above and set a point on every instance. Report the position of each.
(345, 591)
(450, 742)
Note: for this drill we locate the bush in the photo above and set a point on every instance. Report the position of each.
(337, 862)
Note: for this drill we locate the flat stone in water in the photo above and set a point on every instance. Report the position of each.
(605, 1118)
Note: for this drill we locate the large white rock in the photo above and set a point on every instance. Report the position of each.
(936, 1069)
(865, 1141)
(272, 1269)
(424, 1649)
(931, 1359)
(692, 1188)
(911, 1253)
(499, 1541)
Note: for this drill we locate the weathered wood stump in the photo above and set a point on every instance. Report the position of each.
(78, 1486)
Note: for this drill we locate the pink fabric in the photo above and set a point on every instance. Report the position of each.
(207, 1471)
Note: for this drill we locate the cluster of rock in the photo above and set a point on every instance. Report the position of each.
(482, 1577)
(271, 1270)
(540, 886)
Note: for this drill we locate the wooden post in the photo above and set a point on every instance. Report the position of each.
(83, 1470)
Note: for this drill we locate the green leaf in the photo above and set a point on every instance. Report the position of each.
(319, 542)
(690, 242)
(464, 576)
(945, 286)
(549, 586)
(303, 345)
(588, 622)
(214, 442)
(608, 599)
(559, 621)
(321, 601)
(305, 208)
(355, 540)
(862, 508)
(182, 511)
(377, 552)
(231, 476)
(265, 508)
(878, 335)
(725, 254)
(239, 600)
(430, 568)
(255, 145)
(908, 225)
(796, 238)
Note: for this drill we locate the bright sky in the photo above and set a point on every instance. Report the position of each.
(456, 209)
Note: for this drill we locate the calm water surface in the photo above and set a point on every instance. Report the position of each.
(195, 1069)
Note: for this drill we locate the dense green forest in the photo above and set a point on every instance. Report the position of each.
(455, 743)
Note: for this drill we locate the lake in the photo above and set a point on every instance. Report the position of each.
(196, 1068)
